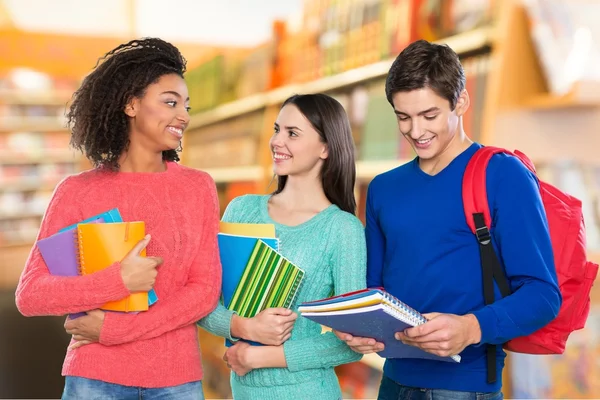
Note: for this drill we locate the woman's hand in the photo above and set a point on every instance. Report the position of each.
(272, 326)
(86, 329)
(238, 358)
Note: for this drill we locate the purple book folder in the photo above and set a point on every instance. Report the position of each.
(60, 254)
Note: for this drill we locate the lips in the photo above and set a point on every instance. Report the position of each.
(176, 131)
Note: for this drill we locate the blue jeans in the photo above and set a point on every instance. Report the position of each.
(390, 390)
(77, 388)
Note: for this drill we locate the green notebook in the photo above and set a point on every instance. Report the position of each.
(269, 280)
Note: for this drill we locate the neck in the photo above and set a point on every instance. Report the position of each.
(138, 159)
(302, 193)
(459, 143)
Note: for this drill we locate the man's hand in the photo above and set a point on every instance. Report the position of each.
(444, 334)
(360, 344)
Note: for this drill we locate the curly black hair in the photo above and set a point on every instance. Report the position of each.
(96, 116)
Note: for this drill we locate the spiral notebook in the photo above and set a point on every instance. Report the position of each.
(269, 280)
(101, 245)
(372, 313)
(60, 250)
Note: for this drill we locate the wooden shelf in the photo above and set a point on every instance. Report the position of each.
(583, 94)
(21, 243)
(32, 124)
(237, 174)
(20, 215)
(461, 43)
(44, 157)
(35, 97)
(29, 186)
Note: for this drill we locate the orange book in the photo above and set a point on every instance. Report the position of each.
(103, 244)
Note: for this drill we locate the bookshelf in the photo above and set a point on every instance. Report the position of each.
(34, 157)
(516, 110)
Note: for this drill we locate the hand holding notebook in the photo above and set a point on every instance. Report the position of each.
(371, 313)
(139, 272)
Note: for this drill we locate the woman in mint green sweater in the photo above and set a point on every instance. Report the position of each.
(313, 213)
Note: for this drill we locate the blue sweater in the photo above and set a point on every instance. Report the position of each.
(421, 250)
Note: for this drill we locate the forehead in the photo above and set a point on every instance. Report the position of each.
(169, 82)
(418, 100)
(291, 115)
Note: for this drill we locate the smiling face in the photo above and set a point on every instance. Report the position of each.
(296, 146)
(427, 122)
(157, 119)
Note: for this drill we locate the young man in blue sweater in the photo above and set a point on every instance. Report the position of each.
(421, 250)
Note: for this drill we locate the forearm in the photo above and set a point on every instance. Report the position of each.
(41, 294)
(184, 307)
(324, 351)
(222, 322)
(267, 357)
(508, 318)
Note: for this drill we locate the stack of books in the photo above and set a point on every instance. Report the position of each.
(255, 274)
(371, 313)
(93, 245)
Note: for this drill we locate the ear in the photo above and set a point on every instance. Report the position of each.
(132, 107)
(462, 103)
(324, 152)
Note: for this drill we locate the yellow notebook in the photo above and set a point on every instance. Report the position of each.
(253, 230)
(103, 244)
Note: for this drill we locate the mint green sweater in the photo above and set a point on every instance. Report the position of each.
(331, 249)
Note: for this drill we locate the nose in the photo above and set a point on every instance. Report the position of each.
(276, 140)
(183, 117)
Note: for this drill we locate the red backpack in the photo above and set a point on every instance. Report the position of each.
(575, 274)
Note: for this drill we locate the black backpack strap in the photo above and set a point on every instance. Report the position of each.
(491, 270)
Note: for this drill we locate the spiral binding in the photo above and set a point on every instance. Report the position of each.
(413, 316)
(295, 290)
(78, 238)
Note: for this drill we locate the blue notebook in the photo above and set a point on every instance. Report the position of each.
(371, 313)
(235, 251)
(112, 215)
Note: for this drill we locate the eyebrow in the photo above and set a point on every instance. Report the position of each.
(174, 93)
(429, 110)
(289, 128)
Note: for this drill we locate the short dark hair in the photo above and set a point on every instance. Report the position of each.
(338, 175)
(96, 117)
(423, 64)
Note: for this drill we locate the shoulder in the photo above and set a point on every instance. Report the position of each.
(246, 201)
(344, 223)
(404, 171)
(506, 170)
(192, 175)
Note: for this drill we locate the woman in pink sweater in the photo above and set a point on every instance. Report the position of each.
(128, 118)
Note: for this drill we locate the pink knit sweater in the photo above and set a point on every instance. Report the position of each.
(159, 347)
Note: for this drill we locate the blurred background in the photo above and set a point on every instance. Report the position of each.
(533, 74)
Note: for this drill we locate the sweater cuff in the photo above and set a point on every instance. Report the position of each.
(111, 282)
(487, 323)
(113, 329)
(296, 356)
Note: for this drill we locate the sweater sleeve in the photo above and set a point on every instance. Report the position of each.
(39, 293)
(197, 298)
(218, 322)
(375, 241)
(349, 274)
(522, 237)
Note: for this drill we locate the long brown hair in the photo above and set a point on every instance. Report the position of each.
(329, 119)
